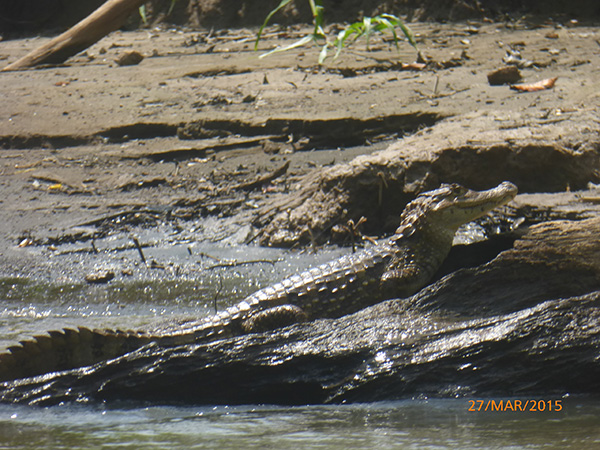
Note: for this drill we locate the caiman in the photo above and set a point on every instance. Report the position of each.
(396, 267)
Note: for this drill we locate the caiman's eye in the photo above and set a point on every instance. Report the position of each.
(457, 189)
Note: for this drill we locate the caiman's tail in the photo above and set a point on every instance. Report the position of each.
(67, 349)
(81, 347)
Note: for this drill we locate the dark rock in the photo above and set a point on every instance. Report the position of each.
(132, 58)
(504, 75)
(100, 276)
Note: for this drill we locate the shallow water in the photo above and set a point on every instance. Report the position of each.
(415, 424)
(36, 305)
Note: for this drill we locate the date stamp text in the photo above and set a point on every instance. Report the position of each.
(530, 405)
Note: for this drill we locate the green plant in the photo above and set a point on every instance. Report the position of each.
(316, 36)
(354, 31)
(369, 25)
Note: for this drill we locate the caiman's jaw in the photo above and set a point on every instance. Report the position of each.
(457, 205)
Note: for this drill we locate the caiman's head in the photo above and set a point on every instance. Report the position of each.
(447, 208)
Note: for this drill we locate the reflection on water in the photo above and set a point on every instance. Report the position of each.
(432, 424)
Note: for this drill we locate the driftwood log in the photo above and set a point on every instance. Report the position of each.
(526, 323)
(109, 17)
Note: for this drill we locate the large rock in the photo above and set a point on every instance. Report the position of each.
(526, 323)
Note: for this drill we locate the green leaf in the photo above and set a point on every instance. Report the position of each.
(299, 43)
(368, 29)
(339, 42)
(281, 5)
(171, 7)
(323, 53)
(398, 22)
(353, 32)
(142, 10)
(386, 24)
(319, 15)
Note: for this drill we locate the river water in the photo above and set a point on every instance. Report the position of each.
(413, 424)
(30, 307)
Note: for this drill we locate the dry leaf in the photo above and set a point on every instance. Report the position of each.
(548, 83)
(25, 243)
(413, 66)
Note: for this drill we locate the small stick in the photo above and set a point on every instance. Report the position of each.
(139, 248)
(218, 293)
(236, 263)
(264, 179)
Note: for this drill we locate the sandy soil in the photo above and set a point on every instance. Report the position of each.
(92, 149)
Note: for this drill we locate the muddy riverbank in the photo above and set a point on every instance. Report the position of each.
(202, 137)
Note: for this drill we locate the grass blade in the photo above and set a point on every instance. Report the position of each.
(299, 43)
(386, 24)
(399, 23)
(171, 7)
(142, 10)
(323, 53)
(271, 14)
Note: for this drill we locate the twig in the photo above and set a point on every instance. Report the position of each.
(448, 94)
(122, 248)
(139, 248)
(264, 179)
(109, 217)
(235, 263)
(251, 239)
(217, 293)
(206, 255)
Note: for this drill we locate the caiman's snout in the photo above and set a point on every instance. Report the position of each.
(508, 189)
(498, 196)
(456, 205)
(490, 199)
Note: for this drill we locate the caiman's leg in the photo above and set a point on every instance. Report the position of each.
(404, 282)
(273, 318)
